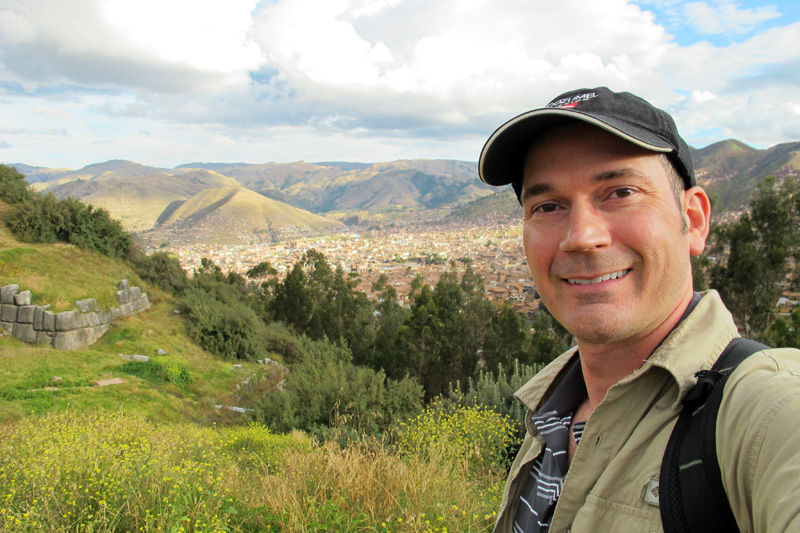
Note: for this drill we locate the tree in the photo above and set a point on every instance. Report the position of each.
(758, 247)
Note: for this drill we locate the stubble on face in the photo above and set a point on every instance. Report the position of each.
(644, 240)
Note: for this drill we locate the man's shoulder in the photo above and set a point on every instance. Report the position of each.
(763, 386)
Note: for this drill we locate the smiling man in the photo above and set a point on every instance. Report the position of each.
(612, 216)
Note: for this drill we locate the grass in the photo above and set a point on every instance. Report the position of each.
(59, 274)
(155, 454)
(119, 472)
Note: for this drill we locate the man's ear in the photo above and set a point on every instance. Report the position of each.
(697, 213)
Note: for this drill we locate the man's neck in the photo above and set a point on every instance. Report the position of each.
(605, 364)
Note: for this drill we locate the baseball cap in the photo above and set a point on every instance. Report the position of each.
(621, 113)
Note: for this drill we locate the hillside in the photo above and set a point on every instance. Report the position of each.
(138, 201)
(730, 170)
(236, 215)
(61, 274)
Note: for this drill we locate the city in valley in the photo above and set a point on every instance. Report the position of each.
(492, 246)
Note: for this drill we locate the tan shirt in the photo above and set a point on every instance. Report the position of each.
(612, 481)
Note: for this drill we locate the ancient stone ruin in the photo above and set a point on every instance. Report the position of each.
(67, 330)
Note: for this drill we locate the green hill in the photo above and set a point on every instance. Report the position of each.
(60, 274)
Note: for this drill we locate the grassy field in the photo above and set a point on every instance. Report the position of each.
(155, 453)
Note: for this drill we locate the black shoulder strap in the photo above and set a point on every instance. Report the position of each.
(692, 498)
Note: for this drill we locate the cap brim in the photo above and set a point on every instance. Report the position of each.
(503, 156)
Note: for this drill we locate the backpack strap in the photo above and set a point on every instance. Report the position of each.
(692, 497)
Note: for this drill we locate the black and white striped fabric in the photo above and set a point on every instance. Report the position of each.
(543, 486)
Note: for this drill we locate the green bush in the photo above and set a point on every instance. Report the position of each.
(158, 369)
(262, 448)
(496, 392)
(162, 270)
(13, 187)
(43, 218)
(477, 435)
(324, 389)
(231, 330)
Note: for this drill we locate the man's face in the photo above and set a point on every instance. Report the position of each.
(604, 235)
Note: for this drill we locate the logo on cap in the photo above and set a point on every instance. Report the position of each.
(572, 101)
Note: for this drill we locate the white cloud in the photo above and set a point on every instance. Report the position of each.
(362, 79)
(726, 17)
(15, 29)
(161, 45)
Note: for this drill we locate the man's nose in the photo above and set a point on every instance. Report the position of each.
(587, 229)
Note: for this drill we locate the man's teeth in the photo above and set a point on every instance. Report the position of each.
(613, 275)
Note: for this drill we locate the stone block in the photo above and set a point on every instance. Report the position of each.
(123, 297)
(104, 317)
(8, 312)
(66, 321)
(8, 326)
(145, 302)
(42, 337)
(87, 305)
(23, 298)
(126, 309)
(69, 340)
(115, 312)
(38, 316)
(81, 321)
(7, 293)
(136, 293)
(49, 321)
(123, 285)
(25, 314)
(92, 319)
(24, 332)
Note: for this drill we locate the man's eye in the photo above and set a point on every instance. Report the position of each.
(545, 208)
(623, 192)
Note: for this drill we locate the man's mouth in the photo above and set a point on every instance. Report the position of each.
(613, 275)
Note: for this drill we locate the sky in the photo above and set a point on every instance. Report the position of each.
(168, 82)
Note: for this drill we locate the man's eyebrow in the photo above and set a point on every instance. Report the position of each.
(535, 190)
(543, 188)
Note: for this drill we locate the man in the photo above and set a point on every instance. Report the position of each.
(612, 215)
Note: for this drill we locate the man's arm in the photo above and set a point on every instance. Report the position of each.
(758, 442)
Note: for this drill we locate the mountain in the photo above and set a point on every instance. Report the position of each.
(730, 169)
(503, 203)
(116, 168)
(238, 215)
(139, 201)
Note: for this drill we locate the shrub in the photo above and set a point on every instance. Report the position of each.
(43, 218)
(158, 369)
(13, 187)
(324, 389)
(231, 330)
(261, 447)
(476, 435)
(162, 270)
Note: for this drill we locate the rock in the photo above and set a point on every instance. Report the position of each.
(7, 293)
(176, 312)
(56, 379)
(8, 312)
(109, 381)
(237, 366)
(140, 358)
(25, 314)
(66, 321)
(23, 298)
(25, 332)
(161, 351)
(87, 305)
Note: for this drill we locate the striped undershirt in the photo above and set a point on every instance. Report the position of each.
(546, 479)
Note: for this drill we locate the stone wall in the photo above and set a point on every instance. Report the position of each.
(67, 330)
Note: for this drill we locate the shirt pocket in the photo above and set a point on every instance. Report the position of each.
(598, 514)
